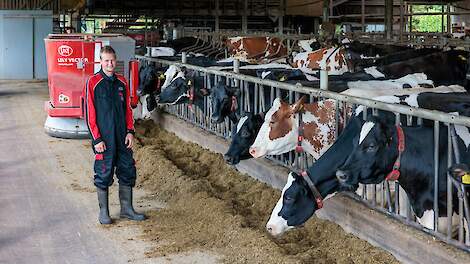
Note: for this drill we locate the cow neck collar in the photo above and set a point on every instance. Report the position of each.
(316, 193)
(195, 96)
(300, 135)
(234, 106)
(395, 173)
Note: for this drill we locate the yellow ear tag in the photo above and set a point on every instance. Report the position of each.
(466, 178)
(162, 76)
(189, 82)
(283, 78)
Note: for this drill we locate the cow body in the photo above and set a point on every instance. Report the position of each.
(279, 133)
(297, 203)
(252, 49)
(330, 59)
(295, 193)
(376, 150)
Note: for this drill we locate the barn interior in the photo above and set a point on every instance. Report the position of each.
(414, 26)
(162, 18)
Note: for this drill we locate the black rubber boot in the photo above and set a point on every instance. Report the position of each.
(103, 203)
(127, 210)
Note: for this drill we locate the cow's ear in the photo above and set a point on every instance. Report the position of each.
(298, 106)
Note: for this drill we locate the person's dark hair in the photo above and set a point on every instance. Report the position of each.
(107, 49)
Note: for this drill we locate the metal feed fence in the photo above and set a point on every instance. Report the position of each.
(258, 94)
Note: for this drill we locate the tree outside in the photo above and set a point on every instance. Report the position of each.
(430, 23)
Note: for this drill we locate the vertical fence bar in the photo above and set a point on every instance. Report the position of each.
(397, 186)
(436, 174)
(449, 182)
(256, 100)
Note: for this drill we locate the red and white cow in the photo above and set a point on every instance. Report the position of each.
(252, 49)
(331, 59)
(280, 130)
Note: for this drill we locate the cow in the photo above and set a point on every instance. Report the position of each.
(331, 59)
(280, 131)
(309, 44)
(297, 204)
(383, 151)
(344, 58)
(224, 102)
(150, 81)
(184, 90)
(253, 49)
(243, 137)
(281, 75)
(443, 68)
(452, 71)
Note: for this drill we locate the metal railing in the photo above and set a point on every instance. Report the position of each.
(253, 98)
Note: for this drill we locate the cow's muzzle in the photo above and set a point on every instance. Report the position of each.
(217, 119)
(342, 176)
(231, 160)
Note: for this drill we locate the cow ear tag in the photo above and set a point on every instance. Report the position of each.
(189, 82)
(466, 178)
(393, 175)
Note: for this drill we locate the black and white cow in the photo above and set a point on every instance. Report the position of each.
(281, 75)
(243, 137)
(224, 102)
(184, 90)
(375, 156)
(150, 81)
(298, 202)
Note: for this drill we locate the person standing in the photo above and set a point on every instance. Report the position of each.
(111, 125)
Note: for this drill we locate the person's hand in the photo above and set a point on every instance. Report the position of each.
(129, 140)
(100, 147)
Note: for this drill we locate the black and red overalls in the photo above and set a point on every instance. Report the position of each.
(109, 119)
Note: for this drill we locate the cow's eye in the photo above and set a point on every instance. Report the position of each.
(288, 199)
(245, 134)
(371, 148)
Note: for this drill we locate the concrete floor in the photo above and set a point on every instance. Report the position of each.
(47, 199)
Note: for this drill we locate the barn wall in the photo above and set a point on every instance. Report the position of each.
(22, 34)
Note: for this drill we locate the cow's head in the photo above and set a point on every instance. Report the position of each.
(243, 137)
(296, 205)
(224, 102)
(151, 79)
(171, 74)
(278, 132)
(184, 90)
(370, 160)
(175, 93)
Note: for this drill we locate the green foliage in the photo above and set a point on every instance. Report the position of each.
(431, 23)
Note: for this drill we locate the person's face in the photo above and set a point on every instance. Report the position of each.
(108, 63)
